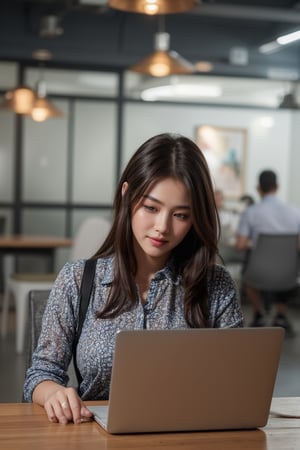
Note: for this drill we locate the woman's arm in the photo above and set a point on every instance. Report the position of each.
(46, 380)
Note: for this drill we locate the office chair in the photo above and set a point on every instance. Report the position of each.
(2, 231)
(87, 240)
(273, 263)
(37, 304)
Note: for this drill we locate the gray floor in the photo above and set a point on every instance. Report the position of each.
(287, 383)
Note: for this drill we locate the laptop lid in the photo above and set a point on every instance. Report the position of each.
(195, 379)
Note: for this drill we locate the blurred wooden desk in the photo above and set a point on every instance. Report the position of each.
(25, 426)
(33, 245)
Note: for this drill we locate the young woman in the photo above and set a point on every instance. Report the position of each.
(155, 270)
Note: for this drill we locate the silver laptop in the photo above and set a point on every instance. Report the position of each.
(195, 379)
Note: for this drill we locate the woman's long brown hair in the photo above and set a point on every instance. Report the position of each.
(165, 156)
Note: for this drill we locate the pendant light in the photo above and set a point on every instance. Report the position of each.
(42, 108)
(289, 100)
(24, 100)
(162, 61)
(19, 100)
(153, 6)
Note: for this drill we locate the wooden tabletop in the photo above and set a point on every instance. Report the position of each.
(22, 241)
(25, 426)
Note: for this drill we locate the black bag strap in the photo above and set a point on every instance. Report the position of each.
(84, 299)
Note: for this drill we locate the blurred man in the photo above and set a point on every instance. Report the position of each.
(269, 216)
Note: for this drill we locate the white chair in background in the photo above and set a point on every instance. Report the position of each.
(89, 237)
(87, 240)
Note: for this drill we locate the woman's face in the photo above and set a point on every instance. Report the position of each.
(161, 220)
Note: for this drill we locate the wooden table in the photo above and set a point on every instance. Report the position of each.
(33, 245)
(25, 426)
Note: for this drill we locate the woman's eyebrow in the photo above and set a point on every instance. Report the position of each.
(150, 197)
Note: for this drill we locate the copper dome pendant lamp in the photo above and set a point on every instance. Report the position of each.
(153, 6)
(163, 62)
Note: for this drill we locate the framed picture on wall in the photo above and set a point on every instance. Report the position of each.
(225, 152)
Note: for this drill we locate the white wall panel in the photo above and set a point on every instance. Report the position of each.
(94, 152)
(45, 158)
(266, 147)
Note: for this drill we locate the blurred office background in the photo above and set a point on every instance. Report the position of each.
(57, 172)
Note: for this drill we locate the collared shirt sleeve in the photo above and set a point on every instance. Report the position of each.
(224, 304)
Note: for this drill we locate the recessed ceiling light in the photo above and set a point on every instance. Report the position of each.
(275, 45)
(181, 91)
(288, 38)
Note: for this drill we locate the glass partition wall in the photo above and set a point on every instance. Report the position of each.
(55, 173)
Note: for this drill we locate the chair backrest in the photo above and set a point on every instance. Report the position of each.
(89, 237)
(37, 304)
(273, 262)
(2, 224)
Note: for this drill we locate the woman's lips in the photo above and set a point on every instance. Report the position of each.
(157, 242)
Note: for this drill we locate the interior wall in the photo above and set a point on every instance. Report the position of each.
(92, 147)
(268, 142)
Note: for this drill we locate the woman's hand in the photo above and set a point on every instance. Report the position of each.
(62, 404)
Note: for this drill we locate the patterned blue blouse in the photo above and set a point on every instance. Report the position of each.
(163, 310)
